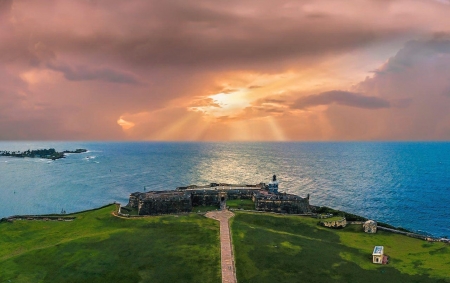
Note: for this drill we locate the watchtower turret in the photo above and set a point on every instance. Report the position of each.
(273, 185)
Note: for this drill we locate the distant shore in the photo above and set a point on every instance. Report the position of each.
(50, 153)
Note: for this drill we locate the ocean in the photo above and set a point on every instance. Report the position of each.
(404, 184)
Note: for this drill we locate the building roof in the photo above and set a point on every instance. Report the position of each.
(378, 250)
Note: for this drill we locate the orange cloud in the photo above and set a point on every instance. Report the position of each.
(126, 125)
(198, 70)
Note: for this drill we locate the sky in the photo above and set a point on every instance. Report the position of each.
(235, 70)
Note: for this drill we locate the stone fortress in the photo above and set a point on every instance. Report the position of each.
(184, 199)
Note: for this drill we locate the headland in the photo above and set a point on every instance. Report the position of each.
(259, 197)
(50, 153)
(279, 237)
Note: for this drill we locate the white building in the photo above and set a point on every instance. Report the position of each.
(273, 185)
(378, 253)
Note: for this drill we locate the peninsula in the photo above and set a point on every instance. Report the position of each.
(50, 153)
(215, 233)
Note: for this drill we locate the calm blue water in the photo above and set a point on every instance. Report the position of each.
(404, 184)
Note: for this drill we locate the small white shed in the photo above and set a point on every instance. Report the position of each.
(378, 253)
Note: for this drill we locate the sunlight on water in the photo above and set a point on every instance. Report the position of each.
(404, 184)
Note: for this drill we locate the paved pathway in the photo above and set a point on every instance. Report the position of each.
(226, 250)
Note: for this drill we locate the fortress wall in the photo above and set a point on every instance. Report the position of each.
(164, 206)
(172, 202)
(283, 206)
(413, 235)
(211, 197)
(134, 200)
(240, 194)
(334, 224)
(205, 198)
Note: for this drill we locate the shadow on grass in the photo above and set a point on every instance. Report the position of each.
(98, 247)
(281, 249)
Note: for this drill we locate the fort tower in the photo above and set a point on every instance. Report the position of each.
(273, 185)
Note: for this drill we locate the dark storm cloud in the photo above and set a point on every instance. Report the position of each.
(415, 81)
(416, 52)
(85, 73)
(194, 34)
(341, 98)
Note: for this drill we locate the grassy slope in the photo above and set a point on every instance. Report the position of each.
(246, 204)
(97, 247)
(270, 248)
(204, 208)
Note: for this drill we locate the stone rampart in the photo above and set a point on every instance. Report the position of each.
(184, 198)
(38, 217)
(341, 223)
(154, 207)
(355, 222)
(163, 202)
(205, 197)
(134, 200)
(413, 235)
(240, 194)
(281, 203)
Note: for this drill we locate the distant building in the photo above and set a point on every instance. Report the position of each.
(370, 226)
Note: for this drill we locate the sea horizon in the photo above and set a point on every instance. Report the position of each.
(402, 183)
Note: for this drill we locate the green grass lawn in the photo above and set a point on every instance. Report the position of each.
(272, 248)
(205, 208)
(246, 204)
(98, 247)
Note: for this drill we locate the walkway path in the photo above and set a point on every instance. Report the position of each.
(226, 249)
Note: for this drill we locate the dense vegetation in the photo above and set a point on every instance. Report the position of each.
(98, 247)
(50, 153)
(275, 248)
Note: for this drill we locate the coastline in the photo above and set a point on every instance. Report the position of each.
(352, 219)
(402, 184)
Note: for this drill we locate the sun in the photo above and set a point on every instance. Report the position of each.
(224, 104)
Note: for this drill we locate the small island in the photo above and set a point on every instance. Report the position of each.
(50, 153)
